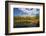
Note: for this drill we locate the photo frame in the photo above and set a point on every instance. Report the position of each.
(24, 17)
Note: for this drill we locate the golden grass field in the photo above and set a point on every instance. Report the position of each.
(20, 21)
(26, 20)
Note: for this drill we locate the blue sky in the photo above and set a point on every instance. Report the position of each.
(25, 11)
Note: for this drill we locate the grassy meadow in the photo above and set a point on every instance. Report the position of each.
(20, 21)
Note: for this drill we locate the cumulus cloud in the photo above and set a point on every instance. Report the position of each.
(30, 11)
(25, 10)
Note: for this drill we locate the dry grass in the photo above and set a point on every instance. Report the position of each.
(33, 20)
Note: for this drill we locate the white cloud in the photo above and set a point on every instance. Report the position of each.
(25, 10)
(29, 12)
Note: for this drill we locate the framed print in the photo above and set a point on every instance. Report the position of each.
(24, 17)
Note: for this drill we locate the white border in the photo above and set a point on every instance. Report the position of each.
(17, 30)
